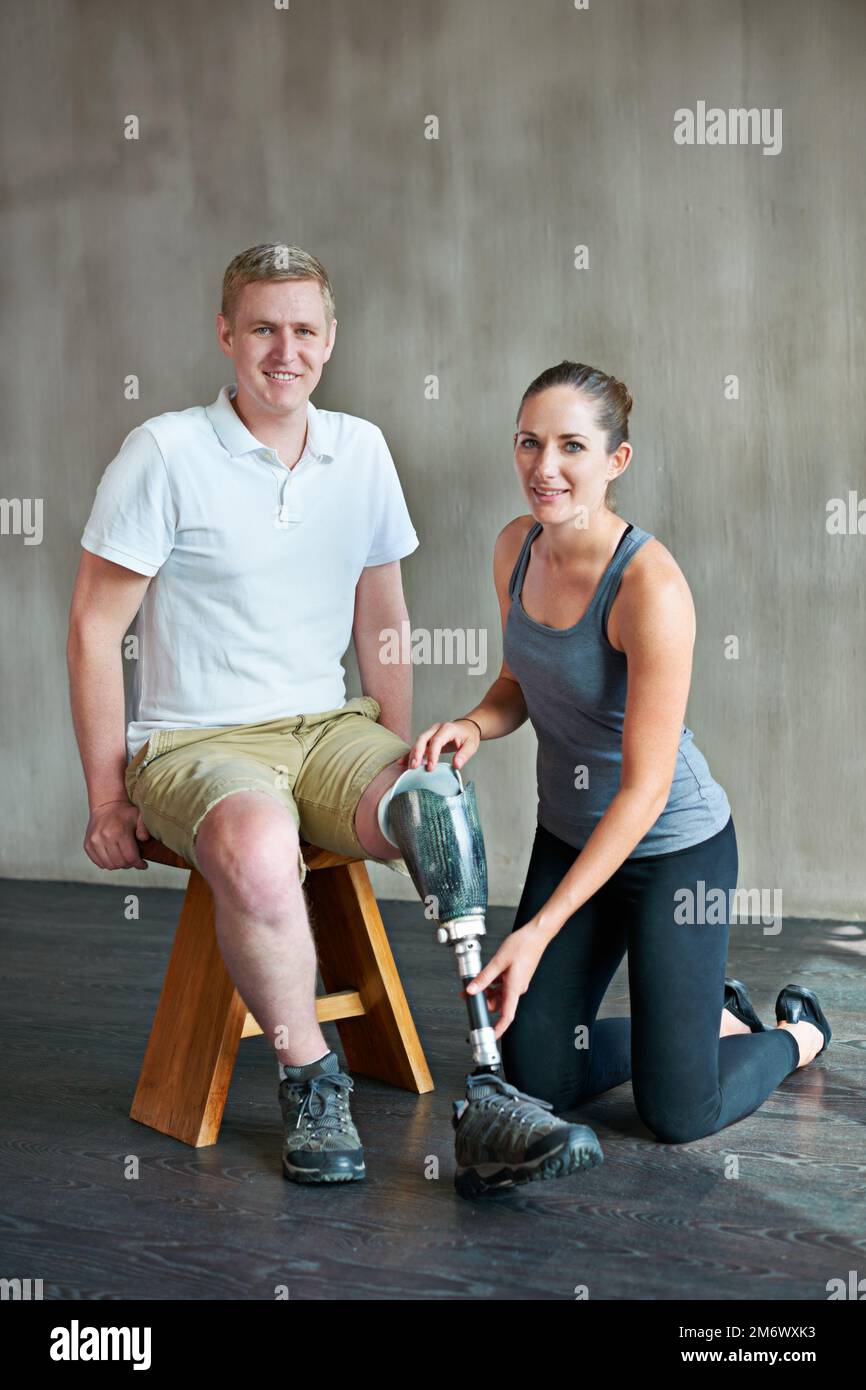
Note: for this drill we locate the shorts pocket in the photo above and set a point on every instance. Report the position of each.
(139, 762)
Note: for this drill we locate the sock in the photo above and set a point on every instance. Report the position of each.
(330, 1062)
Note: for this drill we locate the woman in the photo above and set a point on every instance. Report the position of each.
(599, 628)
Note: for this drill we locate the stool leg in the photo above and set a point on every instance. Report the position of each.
(194, 1040)
(354, 953)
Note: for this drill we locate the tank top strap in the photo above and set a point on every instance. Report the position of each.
(630, 543)
(515, 583)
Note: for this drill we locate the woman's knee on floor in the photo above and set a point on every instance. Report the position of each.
(670, 1121)
(247, 845)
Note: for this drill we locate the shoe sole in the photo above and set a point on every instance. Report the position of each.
(579, 1150)
(356, 1173)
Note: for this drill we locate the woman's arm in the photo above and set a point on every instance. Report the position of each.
(656, 629)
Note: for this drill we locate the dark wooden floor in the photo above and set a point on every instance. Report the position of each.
(655, 1221)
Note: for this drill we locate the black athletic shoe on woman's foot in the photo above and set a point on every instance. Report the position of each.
(797, 1004)
(738, 1003)
(320, 1143)
(504, 1137)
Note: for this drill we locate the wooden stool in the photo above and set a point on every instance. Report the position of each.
(201, 1018)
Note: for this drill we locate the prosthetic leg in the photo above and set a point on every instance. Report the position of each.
(503, 1136)
(433, 820)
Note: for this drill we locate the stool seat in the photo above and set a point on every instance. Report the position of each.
(200, 1018)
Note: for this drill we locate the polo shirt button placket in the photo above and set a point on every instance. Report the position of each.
(285, 516)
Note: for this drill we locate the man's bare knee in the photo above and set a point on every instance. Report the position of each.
(247, 847)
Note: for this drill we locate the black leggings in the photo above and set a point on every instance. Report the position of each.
(687, 1081)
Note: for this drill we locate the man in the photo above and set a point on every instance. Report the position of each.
(256, 535)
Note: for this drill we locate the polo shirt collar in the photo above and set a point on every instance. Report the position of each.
(237, 439)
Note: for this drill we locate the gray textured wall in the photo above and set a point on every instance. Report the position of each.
(455, 257)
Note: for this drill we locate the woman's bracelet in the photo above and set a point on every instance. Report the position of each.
(465, 719)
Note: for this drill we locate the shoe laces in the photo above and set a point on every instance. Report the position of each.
(506, 1106)
(492, 1086)
(322, 1102)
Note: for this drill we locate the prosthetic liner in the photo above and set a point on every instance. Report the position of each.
(433, 820)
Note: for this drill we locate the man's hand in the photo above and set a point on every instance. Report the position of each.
(113, 832)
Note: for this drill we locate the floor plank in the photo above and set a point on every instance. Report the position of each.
(655, 1221)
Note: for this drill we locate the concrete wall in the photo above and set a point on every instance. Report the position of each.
(455, 257)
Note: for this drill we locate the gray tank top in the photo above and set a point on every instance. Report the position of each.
(574, 684)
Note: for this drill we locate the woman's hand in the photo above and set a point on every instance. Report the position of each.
(463, 734)
(508, 974)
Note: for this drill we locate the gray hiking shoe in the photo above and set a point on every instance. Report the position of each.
(505, 1137)
(320, 1141)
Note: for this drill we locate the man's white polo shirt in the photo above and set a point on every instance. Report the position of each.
(252, 605)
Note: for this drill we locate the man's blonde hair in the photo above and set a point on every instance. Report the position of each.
(273, 260)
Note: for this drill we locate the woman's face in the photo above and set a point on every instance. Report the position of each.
(561, 457)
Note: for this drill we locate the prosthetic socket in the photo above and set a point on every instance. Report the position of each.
(433, 820)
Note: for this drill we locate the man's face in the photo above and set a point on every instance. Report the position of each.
(280, 342)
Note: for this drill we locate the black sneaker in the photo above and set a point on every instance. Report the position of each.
(505, 1137)
(320, 1141)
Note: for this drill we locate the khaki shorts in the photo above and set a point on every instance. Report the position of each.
(316, 765)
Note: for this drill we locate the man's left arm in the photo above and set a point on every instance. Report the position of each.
(380, 604)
